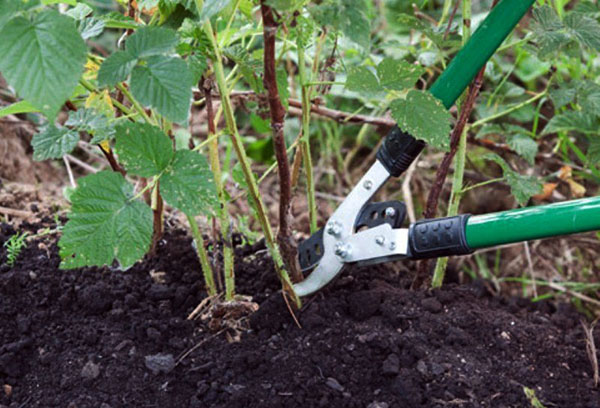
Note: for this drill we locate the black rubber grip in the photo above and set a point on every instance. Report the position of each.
(398, 151)
(437, 237)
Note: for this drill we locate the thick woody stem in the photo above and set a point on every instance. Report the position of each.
(285, 239)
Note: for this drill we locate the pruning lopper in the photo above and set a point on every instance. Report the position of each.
(365, 232)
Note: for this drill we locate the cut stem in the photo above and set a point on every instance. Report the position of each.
(255, 197)
(207, 270)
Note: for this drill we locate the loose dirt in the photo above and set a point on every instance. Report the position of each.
(101, 337)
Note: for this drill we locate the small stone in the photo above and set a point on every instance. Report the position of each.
(422, 368)
(90, 370)
(431, 305)
(334, 384)
(391, 365)
(160, 363)
(377, 404)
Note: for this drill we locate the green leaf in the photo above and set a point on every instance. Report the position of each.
(7, 10)
(593, 151)
(362, 80)
(585, 29)
(347, 16)
(80, 11)
(105, 223)
(285, 5)
(149, 41)
(42, 59)
(118, 20)
(549, 32)
(165, 83)
(53, 143)
(424, 117)
(212, 7)
(409, 21)
(589, 97)
(92, 122)
(116, 68)
(198, 65)
(563, 95)
(522, 187)
(143, 149)
(69, 2)
(90, 27)
(524, 145)
(18, 107)
(188, 184)
(572, 121)
(398, 75)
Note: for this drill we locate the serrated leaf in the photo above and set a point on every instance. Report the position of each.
(149, 41)
(522, 187)
(143, 149)
(116, 68)
(585, 29)
(549, 32)
(424, 117)
(53, 143)
(572, 121)
(563, 96)
(285, 5)
(7, 10)
(42, 59)
(593, 151)
(118, 20)
(80, 11)
(589, 97)
(105, 223)
(92, 122)
(409, 21)
(90, 27)
(188, 184)
(165, 84)
(347, 16)
(398, 75)
(362, 80)
(212, 7)
(198, 64)
(524, 145)
(16, 108)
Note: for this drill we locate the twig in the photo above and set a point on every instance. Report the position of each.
(289, 250)
(70, 172)
(407, 194)
(81, 164)
(530, 267)
(195, 347)
(15, 213)
(287, 303)
(590, 347)
(451, 19)
(345, 117)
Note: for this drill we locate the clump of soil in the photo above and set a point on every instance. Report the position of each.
(97, 337)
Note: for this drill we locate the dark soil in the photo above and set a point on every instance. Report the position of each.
(106, 338)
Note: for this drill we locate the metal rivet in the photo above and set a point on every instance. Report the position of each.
(342, 250)
(368, 184)
(392, 245)
(390, 212)
(380, 239)
(334, 228)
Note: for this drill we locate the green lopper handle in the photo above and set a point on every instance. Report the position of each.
(479, 49)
